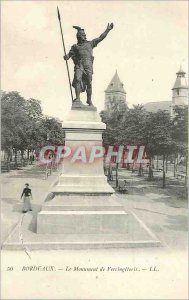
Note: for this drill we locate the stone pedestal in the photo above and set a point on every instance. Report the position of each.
(83, 130)
(82, 202)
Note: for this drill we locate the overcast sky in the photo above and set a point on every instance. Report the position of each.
(146, 46)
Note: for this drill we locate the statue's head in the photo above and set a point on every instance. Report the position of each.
(81, 36)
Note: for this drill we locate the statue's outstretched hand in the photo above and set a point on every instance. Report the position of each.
(110, 26)
(66, 57)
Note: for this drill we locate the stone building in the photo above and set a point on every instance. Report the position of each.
(179, 91)
(179, 96)
(115, 94)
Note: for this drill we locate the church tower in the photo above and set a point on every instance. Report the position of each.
(115, 93)
(180, 91)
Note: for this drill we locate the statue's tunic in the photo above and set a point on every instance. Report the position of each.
(82, 55)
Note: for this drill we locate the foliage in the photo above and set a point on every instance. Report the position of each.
(33, 109)
(133, 126)
(113, 119)
(157, 130)
(180, 129)
(51, 130)
(158, 133)
(13, 120)
(24, 127)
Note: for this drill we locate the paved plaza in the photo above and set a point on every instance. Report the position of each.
(164, 211)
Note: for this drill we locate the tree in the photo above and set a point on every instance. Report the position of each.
(113, 119)
(52, 128)
(133, 126)
(180, 128)
(24, 127)
(136, 126)
(34, 114)
(158, 136)
(180, 133)
(14, 121)
(33, 109)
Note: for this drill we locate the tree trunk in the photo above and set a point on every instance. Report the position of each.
(22, 158)
(175, 165)
(150, 173)
(8, 161)
(2, 155)
(186, 178)
(140, 170)
(157, 163)
(15, 158)
(163, 171)
(152, 162)
(117, 164)
(166, 163)
(28, 154)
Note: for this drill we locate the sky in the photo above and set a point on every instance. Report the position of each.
(146, 46)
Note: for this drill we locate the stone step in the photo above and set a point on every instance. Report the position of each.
(82, 222)
(82, 244)
(24, 237)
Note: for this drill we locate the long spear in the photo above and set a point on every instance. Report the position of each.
(65, 52)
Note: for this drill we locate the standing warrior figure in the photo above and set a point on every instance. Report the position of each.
(82, 56)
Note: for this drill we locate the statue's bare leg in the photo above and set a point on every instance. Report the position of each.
(77, 83)
(89, 89)
(77, 92)
(89, 94)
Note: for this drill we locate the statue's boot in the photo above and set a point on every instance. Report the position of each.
(89, 102)
(76, 100)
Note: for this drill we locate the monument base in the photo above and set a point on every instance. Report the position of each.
(25, 237)
(87, 214)
(80, 222)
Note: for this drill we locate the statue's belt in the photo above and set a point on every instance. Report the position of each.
(85, 65)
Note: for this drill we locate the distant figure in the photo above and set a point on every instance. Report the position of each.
(32, 159)
(125, 186)
(27, 197)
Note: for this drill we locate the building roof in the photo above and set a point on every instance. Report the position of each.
(181, 71)
(180, 80)
(155, 106)
(115, 85)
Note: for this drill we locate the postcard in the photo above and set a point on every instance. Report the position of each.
(94, 149)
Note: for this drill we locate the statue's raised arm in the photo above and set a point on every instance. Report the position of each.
(103, 35)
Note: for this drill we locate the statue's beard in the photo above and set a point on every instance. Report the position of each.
(81, 39)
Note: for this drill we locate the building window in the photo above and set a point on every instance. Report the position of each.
(177, 92)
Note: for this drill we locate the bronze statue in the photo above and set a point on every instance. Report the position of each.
(82, 56)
